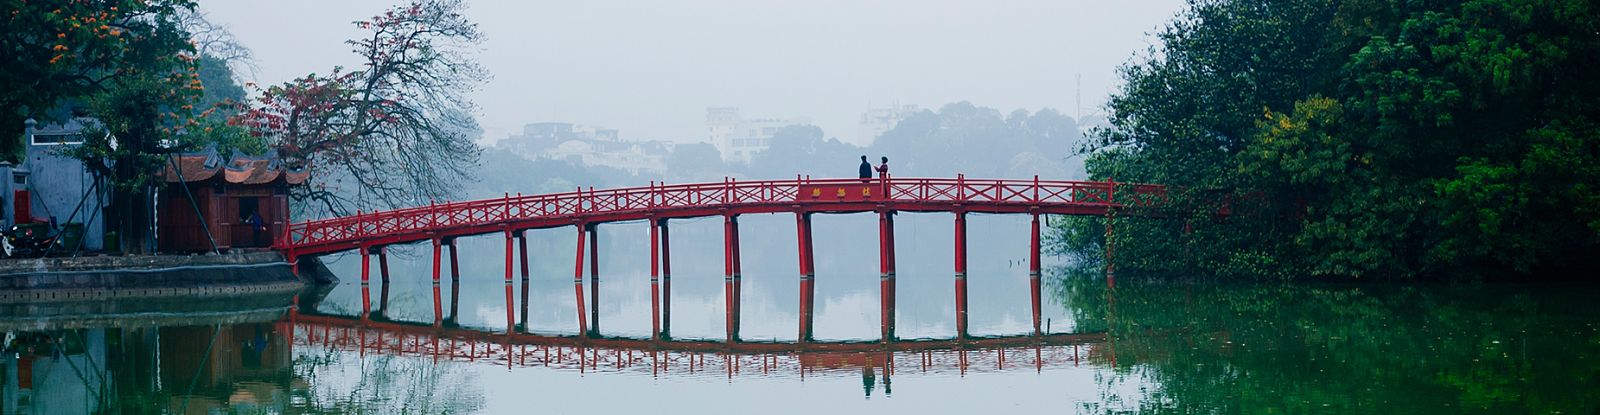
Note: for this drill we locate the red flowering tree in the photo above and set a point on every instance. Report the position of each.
(70, 50)
(395, 132)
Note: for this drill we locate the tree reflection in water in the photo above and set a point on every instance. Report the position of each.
(343, 382)
(1215, 347)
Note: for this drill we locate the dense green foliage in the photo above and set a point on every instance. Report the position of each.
(57, 51)
(1361, 139)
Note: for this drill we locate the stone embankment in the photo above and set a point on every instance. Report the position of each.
(137, 276)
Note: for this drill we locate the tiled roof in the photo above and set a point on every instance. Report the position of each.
(240, 168)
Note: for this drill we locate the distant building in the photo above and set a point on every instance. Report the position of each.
(541, 136)
(590, 146)
(738, 138)
(877, 121)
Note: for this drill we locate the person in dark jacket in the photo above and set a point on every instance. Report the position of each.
(883, 169)
(866, 170)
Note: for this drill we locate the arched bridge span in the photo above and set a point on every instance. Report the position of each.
(658, 203)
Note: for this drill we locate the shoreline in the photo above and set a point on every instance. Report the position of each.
(50, 280)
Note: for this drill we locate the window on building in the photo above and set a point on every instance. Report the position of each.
(55, 139)
(249, 206)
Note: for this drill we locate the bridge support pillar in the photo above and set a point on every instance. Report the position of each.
(731, 277)
(655, 279)
(383, 264)
(438, 306)
(455, 263)
(577, 284)
(383, 300)
(436, 248)
(511, 320)
(524, 306)
(666, 282)
(961, 273)
(522, 244)
(807, 274)
(886, 272)
(1034, 271)
(366, 264)
(594, 279)
(455, 301)
(509, 255)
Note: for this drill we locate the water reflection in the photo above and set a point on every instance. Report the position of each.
(481, 345)
(197, 364)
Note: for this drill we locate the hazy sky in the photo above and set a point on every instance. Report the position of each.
(650, 68)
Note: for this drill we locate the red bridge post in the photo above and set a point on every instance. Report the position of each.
(594, 279)
(655, 278)
(577, 284)
(524, 305)
(522, 244)
(436, 248)
(383, 263)
(730, 291)
(455, 264)
(961, 273)
(1034, 270)
(438, 306)
(366, 264)
(807, 273)
(511, 320)
(738, 279)
(886, 272)
(509, 255)
(666, 281)
(455, 301)
(383, 300)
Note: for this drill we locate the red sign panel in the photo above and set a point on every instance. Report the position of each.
(852, 192)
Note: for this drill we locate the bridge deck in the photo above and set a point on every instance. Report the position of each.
(730, 197)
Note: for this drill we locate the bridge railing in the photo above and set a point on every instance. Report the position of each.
(580, 202)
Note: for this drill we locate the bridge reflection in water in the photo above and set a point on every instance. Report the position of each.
(373, 332)
(662, 357)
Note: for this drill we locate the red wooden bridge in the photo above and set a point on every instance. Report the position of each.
(511, 215)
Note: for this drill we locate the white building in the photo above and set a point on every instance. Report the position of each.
(877, 121)
(738, 138)
(590, 146)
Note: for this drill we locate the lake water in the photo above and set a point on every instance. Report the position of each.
(1138, 345)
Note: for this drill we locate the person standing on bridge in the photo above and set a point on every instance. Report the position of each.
(866, 169)
(883, 169)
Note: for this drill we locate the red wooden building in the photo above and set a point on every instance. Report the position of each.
(243, 201)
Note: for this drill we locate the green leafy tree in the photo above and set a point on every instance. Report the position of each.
(58, 51)
(143, 102)
(1362, 139)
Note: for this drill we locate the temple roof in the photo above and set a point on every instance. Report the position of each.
(240, 168)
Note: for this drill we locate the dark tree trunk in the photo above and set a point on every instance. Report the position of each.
(131, 212)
